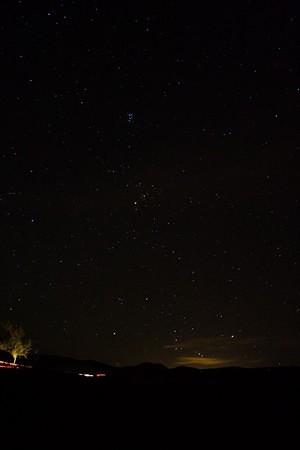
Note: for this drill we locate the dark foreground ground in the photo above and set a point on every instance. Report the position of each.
(30, 388)
(46, 408)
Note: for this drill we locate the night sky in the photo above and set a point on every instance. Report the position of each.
(149, 200)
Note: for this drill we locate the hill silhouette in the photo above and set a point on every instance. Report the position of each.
(55, 368)
(54, 392)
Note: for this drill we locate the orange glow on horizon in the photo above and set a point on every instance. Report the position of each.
(198, 361)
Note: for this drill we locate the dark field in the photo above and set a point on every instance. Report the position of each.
(50, 409)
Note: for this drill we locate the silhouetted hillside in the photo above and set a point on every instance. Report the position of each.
(55, 391)
(58, 369)
(68, 365)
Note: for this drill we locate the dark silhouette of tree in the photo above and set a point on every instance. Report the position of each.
(15, 344)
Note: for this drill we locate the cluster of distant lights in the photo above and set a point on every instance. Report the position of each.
(7, 365)
(91, 375)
